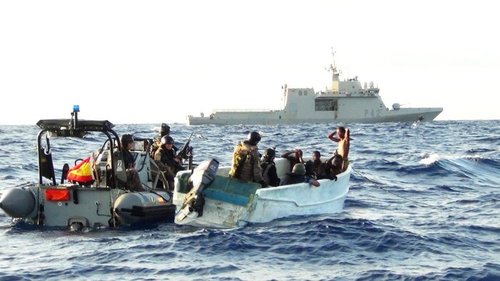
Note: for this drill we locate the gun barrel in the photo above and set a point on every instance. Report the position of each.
(183, 153)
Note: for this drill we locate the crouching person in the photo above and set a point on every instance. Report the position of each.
(167, 161)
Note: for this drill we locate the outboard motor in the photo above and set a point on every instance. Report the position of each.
(202, 176)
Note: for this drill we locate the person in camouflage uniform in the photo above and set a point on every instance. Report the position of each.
(246, 160)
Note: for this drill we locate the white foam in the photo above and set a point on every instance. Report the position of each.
(430, 159)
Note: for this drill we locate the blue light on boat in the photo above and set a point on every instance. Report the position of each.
(76, 108)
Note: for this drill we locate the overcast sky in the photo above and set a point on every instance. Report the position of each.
(158, 61)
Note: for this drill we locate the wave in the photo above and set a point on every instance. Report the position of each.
(481, 170)
(449, 273)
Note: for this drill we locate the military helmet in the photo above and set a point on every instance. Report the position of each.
(299, 169)
(165, 129)
(253, 138)
(167, 140)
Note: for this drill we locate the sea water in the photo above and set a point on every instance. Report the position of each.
(424, 204)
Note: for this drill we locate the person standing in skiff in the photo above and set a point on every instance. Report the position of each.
(341, 136)
(246, 160)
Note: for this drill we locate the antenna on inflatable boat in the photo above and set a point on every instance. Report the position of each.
(74, 116)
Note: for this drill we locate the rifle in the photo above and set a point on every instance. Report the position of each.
(185, 151)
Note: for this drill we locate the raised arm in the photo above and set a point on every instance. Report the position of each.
(333, 137)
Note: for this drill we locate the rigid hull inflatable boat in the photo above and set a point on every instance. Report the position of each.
(100, 200)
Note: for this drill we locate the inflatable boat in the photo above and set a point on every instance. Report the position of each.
(95, 195)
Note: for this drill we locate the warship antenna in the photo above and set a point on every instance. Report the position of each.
(333, 66)
(335, 74)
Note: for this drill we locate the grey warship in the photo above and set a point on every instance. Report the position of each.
(345, 101)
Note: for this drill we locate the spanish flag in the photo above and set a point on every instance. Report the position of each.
(81, 173)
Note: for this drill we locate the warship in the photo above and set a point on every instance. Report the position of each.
(345, 101)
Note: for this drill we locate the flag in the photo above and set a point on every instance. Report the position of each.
(81, 173)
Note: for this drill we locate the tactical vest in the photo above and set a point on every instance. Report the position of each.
(243, 161)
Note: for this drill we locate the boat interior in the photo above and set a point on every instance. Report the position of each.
(282, 167)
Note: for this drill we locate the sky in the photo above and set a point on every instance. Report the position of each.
(158, 61)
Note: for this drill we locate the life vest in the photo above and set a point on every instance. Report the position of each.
(81, 173)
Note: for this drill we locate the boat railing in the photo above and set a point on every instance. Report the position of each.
(246, 110)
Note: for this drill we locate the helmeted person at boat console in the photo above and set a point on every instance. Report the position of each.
(246, 160)
(269, 167)
(164, 131)
(167, 161)
(133, 181)
(341, 136)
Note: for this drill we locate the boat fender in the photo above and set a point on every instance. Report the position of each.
(193, 203)
(128, 205)
(126, 201)
(17, 202)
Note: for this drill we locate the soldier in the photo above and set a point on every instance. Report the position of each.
(164, 131)
(167, 161)
(246, 160)
(133, 180)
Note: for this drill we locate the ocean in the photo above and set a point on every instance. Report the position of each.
(424, 204)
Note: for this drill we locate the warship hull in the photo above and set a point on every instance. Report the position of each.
(279, 117)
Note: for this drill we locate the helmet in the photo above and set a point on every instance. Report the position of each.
(167, 140)
(126, 139)
(165, 129)
(269, 153)
(253, 138)
(299, 169)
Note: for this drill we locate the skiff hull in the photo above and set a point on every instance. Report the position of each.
(230, 203)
